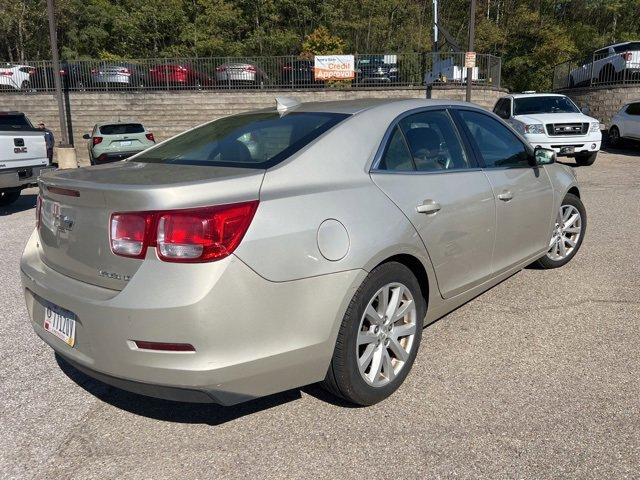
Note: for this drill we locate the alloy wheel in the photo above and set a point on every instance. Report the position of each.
(566, 233)
(386, 334)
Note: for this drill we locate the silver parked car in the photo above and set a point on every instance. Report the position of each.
(240, 73)
(277, 248)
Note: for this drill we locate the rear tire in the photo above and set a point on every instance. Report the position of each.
(585, 160)
(7, 197)
(566, 231)
(370, 335)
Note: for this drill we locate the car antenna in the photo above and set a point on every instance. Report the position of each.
(283, 104)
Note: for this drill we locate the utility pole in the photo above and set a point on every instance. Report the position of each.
(472, 33)
(53, 39)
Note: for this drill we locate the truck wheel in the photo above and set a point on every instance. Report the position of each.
(7, 197)
(586, 159)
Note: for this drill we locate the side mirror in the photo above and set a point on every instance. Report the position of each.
(86, 136)
(544, 156)
(585, 110)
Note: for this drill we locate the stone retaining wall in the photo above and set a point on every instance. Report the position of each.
(169, 113)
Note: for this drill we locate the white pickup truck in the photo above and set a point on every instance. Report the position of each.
(552, 121)
(23, 155)
(619, 63)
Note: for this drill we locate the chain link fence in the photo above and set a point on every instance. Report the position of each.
(405, 70)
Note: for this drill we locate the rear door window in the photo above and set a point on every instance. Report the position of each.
(251, 140)
(121, 129)
(434, 141)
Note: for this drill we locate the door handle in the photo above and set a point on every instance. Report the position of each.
(505, 196)
(428, 206)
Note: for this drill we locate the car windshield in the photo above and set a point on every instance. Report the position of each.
(252, 140)
(121, 128)
(550, 104)
(14, 122)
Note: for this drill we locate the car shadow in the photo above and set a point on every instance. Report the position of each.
(25, 202)
(170, 411)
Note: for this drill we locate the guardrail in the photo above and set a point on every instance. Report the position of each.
(603, 69)
(247, 73)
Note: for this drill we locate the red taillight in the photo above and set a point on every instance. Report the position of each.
(97, 140)
(164, 346)
(249, 68)
(6, 73)
(38, 211)
(130, 233)
(192, 235)
(221, 69)
(627, 56)
(150, 136)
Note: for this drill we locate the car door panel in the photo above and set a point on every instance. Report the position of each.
(459, 236)
(522, 228)
(523, 193)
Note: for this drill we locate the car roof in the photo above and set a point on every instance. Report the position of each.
(362, 104)
(620, 43)
(528, 95)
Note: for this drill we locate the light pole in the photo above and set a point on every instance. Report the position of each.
(53, 40)
(472, 32)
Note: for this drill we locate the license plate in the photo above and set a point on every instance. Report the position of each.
(125, 143)
(61, 323)
(567, 149)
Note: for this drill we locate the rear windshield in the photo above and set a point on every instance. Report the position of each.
(550, 104)
(253, 140)
(121, 128)
(14, 122)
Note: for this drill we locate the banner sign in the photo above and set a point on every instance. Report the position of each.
(333, 67)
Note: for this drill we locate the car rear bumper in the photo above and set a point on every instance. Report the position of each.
(22, 177)
(252, 337)
(112, 157)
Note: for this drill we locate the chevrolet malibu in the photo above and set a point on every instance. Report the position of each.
(299, 244)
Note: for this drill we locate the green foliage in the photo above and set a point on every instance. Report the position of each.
(322, 42)
(530, 36)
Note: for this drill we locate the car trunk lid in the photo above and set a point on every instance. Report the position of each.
(77, 206)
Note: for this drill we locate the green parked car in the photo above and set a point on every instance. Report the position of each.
(110, 142)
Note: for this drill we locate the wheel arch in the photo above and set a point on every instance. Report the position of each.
(574, 191)
(417, 268)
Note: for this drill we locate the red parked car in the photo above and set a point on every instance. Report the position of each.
(174, 75)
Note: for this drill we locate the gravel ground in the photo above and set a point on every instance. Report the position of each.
(537, 378)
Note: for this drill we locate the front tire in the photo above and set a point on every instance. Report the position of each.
(614, 136)
(568, 233)
(379, 336)
(7, 197)
(585, 160)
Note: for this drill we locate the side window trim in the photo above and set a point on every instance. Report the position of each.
(475, 146)
(474, 164)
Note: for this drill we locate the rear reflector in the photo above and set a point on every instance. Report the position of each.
(166, 347)
(193, 235)
(63, 191)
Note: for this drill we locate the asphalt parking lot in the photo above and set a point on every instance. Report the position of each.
(537, 378)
